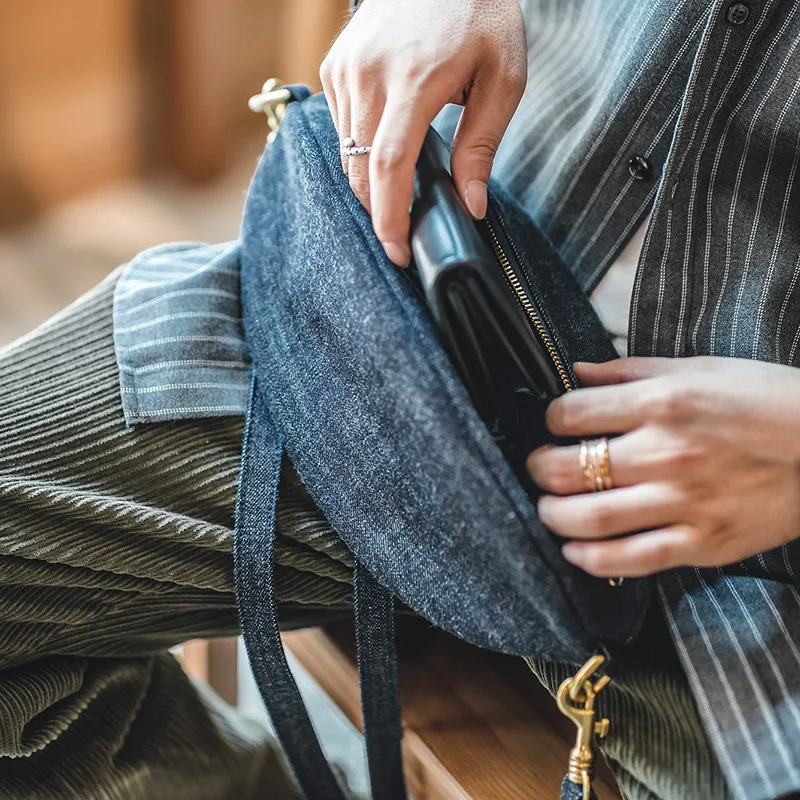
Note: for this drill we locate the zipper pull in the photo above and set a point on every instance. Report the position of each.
(575, 699)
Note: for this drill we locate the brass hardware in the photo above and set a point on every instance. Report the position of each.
(272, 102)
(527, 306)
(575, 699)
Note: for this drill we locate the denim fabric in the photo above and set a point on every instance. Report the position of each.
(380, 430)
(380, 689)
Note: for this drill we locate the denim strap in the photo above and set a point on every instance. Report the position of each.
(255, 594)
(380, 692)
(574, 791)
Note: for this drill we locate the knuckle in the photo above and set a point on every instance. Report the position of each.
(564, 416)
(388, 157)
(681, 456)
(484, 149)
(667, 402)
(598, 519)
(662, 557)
(512, 82)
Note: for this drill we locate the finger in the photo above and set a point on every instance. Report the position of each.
(365, 114)
(395, 149)
(343, 127)
(598, 410)
(601, 515)
(489, 108)
(625, 370)
(633, 556)
(326, 77)
(557, 470)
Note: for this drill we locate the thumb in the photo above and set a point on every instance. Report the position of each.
(486, 115)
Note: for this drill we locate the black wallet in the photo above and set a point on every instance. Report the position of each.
(486, 309)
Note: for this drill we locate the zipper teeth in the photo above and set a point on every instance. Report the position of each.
(527, 306)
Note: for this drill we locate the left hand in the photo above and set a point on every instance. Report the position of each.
(706, 471)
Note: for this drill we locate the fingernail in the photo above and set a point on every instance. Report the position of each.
(476, 199)
(571, 553)
(398, 253)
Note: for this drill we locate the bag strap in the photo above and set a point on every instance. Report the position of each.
(380, 691)
(254, 566)
(254, 562)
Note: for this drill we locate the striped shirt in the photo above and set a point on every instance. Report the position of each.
(688, 110)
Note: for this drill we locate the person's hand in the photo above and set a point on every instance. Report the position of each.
(394, 67)
(705, 472)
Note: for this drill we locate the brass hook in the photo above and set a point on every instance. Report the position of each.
(272, 102)
(575, 699)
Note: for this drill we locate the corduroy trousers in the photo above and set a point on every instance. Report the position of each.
(116, 544)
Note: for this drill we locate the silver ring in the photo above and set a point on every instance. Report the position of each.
(350, 148)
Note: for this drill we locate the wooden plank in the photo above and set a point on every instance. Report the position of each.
(222, 673)
(473, 727)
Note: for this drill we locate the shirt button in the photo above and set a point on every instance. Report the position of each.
(639, 168)
(738, 14)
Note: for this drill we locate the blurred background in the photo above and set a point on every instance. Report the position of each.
(124, 123)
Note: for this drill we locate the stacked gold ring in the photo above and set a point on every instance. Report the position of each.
(596, 465)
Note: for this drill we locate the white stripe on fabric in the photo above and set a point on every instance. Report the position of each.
(532, 115)
(767, 710)
(612, 117)
(730, 695)
(543, 188)
(236, 342)
(776, 248)
(761, 194)
(737, 189)
(782, 315)
(182, 293)
(790, 702)
(166, 318)
(615, 249)
(168, 387)
(191, 362)
(191, 411)
(715, 167)
(687, 246)
(556, 123)
(624, 191)
(702, 700)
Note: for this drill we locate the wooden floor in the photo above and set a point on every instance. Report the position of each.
(477, 725)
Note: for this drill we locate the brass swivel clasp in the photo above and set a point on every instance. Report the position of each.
(575, 699)
(272, 101)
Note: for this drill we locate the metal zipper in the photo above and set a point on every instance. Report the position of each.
(516, 286)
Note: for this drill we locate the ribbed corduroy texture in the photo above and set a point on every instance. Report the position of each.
(115, 544)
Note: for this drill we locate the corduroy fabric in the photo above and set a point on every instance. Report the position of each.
(115, 544)
(656, 746)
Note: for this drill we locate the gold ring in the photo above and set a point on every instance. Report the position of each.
(587, 466)
(596, 465)
(603, 463)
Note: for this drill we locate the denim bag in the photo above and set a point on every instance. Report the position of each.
(351, 382)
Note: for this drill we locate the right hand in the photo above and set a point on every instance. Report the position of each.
(394, 67)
